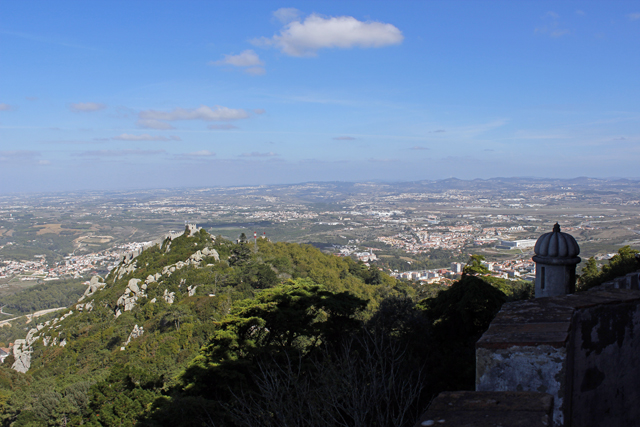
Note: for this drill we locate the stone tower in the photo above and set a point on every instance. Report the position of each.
(556, 257)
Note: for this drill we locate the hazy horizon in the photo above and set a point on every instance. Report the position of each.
(135, 95)
(133, 188)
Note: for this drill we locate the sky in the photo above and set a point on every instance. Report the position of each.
(114, 95)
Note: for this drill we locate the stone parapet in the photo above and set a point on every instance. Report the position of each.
(630, 281)
(558, 345)
(489, 409)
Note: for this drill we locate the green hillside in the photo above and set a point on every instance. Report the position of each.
(204, 331)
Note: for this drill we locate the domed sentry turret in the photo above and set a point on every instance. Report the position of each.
(556, 257)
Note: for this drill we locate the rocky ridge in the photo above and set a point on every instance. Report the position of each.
(47, 333)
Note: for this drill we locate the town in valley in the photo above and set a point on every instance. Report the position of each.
(420, 231)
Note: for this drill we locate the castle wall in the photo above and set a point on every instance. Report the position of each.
(630, 281)
(525, 349)
(580, 348)
(542, 368)
(489, 409)
(606, 374)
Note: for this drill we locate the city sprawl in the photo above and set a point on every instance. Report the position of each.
(419, 231)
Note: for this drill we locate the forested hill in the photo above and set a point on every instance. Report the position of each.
(204, 331)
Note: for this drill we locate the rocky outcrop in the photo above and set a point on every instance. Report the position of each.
(194, 260)
(95, 284)
(211, 253)
(126, 269)
(22, 354)
(85, 307)
(52, 332)
(197, 257)
(131, 295)
(135, 333)
(191, 230)
(169, 296)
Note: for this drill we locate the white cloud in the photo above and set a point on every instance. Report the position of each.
(145, 137)
(202, 153)
(533, 135)
(5, 107)
(344, 138)
(634, 16)
(119, 153)
(222, 127)
(255, 71)
(257, 154)
(418, 147)
(384, 160)
(552, 29)
(287, 14)
(87, 107)
(203, 112)
(18, 155)
(248, 58)
(154, 124)
(259, 111)
(316, 32)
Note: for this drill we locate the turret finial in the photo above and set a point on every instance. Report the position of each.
(556, 228)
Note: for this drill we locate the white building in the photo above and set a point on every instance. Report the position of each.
(456, 267)
(517, 244)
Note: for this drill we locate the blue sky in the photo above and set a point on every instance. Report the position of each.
(111, 95)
